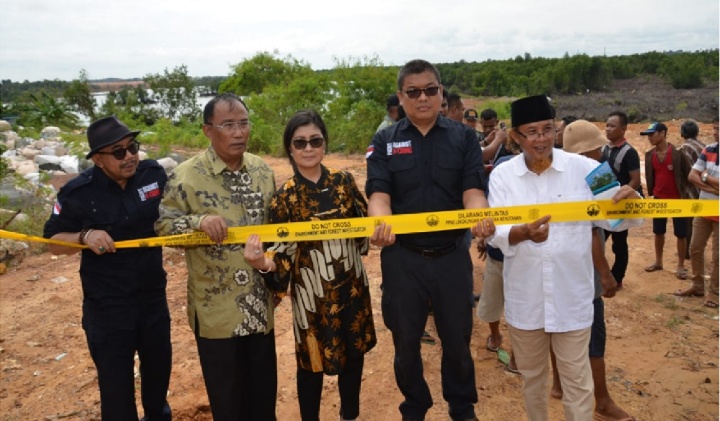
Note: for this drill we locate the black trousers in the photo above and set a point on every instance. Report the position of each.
(310, 384)
(620, 250)
(240, 376)
(113, 352)
(410, 281)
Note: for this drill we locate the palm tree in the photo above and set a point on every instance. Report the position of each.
(42, 109)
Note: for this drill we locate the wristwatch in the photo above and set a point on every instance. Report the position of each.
(704, 177)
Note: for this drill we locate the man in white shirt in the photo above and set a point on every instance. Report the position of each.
(548, 273)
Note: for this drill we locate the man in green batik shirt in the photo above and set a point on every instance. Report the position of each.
(230, 309)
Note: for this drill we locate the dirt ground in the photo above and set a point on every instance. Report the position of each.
(662, 351)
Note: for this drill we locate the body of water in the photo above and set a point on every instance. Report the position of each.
(101, 97)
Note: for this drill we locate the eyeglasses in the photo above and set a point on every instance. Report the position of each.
(314, 142)
(230, 126)
(429, 91)
(548, 133)
(119, 154)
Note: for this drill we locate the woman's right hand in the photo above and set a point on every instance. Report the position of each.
(254, 254)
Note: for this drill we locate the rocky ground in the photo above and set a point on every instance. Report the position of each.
(646, 98)
(662, 351)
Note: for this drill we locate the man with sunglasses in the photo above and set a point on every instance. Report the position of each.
(124, 302)
(427, 163)
(230, 308)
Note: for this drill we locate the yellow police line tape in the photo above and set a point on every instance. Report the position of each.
(426, 222)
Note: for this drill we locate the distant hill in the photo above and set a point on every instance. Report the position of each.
(114, 80)
(113, 84)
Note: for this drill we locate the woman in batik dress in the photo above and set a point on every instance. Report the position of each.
(332, 315)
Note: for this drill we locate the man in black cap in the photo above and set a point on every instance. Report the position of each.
(124, 304)
(547, 273)
(666, 176)
(392, 107)
(470, 117)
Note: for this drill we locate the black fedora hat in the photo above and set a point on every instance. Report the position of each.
(106, 131)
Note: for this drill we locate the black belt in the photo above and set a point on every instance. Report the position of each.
(430, 253)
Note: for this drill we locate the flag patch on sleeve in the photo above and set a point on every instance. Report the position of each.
(369, 151)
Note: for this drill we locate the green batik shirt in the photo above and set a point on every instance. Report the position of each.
(226, 296)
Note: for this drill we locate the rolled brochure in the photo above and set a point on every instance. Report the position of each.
(604, 185)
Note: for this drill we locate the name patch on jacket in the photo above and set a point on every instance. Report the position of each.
(149, 191)
(399, 148)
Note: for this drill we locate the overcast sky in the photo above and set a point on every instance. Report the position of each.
(55, 39)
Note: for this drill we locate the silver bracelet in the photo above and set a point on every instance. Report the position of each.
(86, 236)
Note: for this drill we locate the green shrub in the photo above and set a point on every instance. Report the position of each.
(501, 107)
(164, 136)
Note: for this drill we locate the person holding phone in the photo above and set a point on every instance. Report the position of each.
(492, 137)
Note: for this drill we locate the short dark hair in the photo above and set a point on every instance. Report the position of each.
(229, 97)
(689, 129)
(445, 94)
(392, 101)
(414, 67)
(488, 114)
(299, 119)
(568, 119)
(454, 100)
(621, 115)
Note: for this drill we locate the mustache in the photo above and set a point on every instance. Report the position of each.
(129, 164)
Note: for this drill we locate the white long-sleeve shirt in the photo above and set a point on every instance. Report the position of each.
(548, 285)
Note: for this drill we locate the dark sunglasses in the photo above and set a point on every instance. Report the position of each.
(429, 91)
(301, 144)
(119, 154)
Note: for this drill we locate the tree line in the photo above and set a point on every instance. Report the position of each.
(351, 96)
(527, 75)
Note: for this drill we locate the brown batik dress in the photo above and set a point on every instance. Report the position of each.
(332, 314)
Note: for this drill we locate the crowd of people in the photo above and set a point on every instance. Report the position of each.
(429, 154)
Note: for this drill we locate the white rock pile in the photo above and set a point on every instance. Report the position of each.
(28, 157)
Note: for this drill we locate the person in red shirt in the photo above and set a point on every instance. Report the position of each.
(666, 174)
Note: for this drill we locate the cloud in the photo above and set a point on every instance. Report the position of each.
(48, 39)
